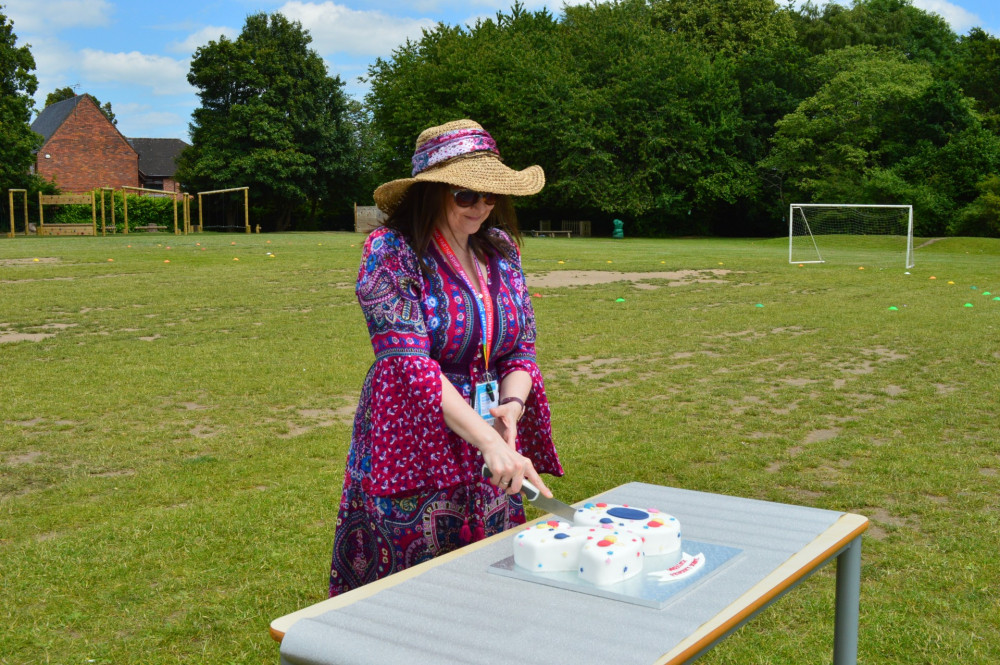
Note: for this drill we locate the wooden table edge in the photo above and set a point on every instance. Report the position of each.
(838, 536)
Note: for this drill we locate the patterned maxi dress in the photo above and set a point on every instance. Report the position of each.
(412, 488)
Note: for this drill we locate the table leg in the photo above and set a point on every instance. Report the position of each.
(845, 632)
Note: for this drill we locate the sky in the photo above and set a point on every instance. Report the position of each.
(136, 54)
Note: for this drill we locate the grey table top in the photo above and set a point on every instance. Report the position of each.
(452, 610)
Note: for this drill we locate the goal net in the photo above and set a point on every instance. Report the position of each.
(818, 229)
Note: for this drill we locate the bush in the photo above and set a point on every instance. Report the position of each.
(146, 209)
(982, 216)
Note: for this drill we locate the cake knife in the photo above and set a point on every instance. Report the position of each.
(532, 494)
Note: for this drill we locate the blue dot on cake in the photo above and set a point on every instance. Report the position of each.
(625, 513)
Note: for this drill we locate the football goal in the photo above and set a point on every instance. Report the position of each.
(818, 228)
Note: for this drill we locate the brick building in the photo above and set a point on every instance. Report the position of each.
(82, 150)
(158, 162)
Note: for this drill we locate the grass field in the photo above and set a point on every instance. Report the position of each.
(175, 414)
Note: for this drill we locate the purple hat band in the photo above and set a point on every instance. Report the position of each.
(452, 144)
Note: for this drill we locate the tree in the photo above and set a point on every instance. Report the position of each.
(889, 24)
(882, 129)
(272, 119)
(768, 63)
(982, 216)
(625, 118)
(834, 137)
(976, 68)
(17, 85)
(651, 133)
(60, 94)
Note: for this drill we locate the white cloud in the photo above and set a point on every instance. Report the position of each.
(339, 29)
(131, 108)
(202, 38)
(53, 15)
(154, 119)
(958, 18)
(52, 56)
(160, 124)
(163, 75)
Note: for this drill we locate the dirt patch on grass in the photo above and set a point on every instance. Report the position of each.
(818, 435)
(869, 359)
(310, 419)
(589, 368)
(9, 336)
(115, 473)
(28, 457)
(203, 431)
(881, 518)
(804, 496)
(28, 262)
(564, 278)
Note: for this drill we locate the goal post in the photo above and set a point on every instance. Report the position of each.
(246, 206)
(813, 226)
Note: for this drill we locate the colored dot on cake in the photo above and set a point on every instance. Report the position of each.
(626, 513)
(561, 536)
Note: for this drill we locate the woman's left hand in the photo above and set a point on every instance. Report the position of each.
(505, 422)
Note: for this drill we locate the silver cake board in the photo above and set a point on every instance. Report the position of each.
(643, 589)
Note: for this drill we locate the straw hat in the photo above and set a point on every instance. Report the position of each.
(460, 153)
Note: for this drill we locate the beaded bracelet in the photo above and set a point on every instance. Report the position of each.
(507, 400)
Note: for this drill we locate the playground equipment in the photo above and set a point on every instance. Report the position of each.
(160, 192)
(246, 205)
(103, 218)
(10, 196)
(75, 229)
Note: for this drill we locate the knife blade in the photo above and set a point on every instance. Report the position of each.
(531, 493)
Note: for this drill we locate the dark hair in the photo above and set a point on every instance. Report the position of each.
(423, 204)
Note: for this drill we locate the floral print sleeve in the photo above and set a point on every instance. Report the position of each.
(404, 442)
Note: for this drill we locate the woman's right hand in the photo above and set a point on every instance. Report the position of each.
(508, 468)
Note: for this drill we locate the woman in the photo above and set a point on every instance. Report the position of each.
(454, 384)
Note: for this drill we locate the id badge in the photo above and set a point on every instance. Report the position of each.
(485, 397)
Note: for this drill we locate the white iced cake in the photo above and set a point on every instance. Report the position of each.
(605, 544)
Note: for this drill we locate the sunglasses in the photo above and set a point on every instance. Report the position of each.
(466, 198)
